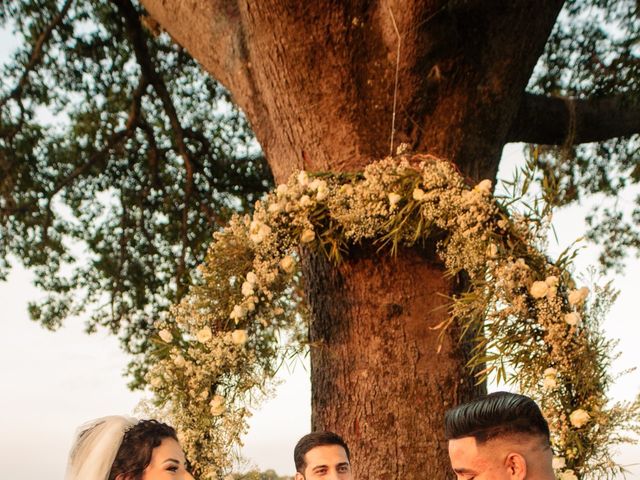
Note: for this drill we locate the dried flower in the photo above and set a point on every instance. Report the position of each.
(579, 418)
(239, 337)
(539, 289)
(165, 335)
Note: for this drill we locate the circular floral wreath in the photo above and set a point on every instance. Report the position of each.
(223, 343)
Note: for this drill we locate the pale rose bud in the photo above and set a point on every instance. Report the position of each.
(558, 463)
(165, 335)
(275, 207)
(305, 201)
(550, 372)
(237, 313)
(258, 231)
(538, 289)
(252, 277)
(484, 187)
(573, 318)
(579, 418)
(204, 335)
(307, 236)
(549, 383)
(576, 297)
(551, 280)
(179, 361)
(239, 337)
(567, 475)
(418, 194)
(156, 382)
(346, 190)
(217, 405)
(288, 264)
(247, 289)
(394, 198)
(282, 189)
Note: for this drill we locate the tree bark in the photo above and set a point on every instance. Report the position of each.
(317, 81)
(380, 375)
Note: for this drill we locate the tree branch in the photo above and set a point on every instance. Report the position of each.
(558, 120)
(145, 60)
(36, 53)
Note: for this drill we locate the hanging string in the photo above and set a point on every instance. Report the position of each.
(395, 89)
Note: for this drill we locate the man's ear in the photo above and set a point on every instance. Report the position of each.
(299, 476)
(516, 466)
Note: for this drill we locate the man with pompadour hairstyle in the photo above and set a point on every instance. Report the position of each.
(501, 436)
(322, 455)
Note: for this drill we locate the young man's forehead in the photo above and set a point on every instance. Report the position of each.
(326, 453)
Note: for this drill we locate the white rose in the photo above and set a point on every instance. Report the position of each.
(288, 264)
(307, 236)
(179, 361)
(484, 187)
(156, 382)
(165, 335)
(237, 313)
(305, 201)
(258, 231)
(558, 463)
(204, 335)
(567, 475)
(573, 318)
(217, 405)
(394, 198)
(275, 207)
(538, 289)
(282, 189)
(549, 383)
(303, 178)
(323, 191)
(251, 277)
(239, 337)
(576, 297)
(551, 280)
(550, 372)
(418, 194)
(247, 289)
(579, 418)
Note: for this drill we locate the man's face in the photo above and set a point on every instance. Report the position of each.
(487, 461)
(327, 462)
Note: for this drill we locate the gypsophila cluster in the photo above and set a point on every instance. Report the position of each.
(534, 325)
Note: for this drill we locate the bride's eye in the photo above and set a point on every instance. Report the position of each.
(173, 468)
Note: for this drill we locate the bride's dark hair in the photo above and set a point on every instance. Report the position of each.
(134, 454)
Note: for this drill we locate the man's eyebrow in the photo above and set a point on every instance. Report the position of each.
(464, 470)
(319, 467)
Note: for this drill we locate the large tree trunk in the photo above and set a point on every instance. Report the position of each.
(317, 82)
(381, 376)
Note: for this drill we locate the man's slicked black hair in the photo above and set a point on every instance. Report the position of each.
(496, 415)
(313, 440)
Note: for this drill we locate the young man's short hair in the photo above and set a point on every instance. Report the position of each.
(496, 415)
(313, 440)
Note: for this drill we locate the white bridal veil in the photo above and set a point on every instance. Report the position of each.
(95, 447)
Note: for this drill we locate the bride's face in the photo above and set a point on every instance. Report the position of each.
(167, 463)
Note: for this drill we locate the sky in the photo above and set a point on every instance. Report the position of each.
(55, 381)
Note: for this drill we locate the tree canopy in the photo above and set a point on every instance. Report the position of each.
(119, 157)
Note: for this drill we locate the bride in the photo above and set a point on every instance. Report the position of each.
(122, 448)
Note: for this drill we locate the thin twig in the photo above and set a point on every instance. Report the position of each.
(395, 89)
